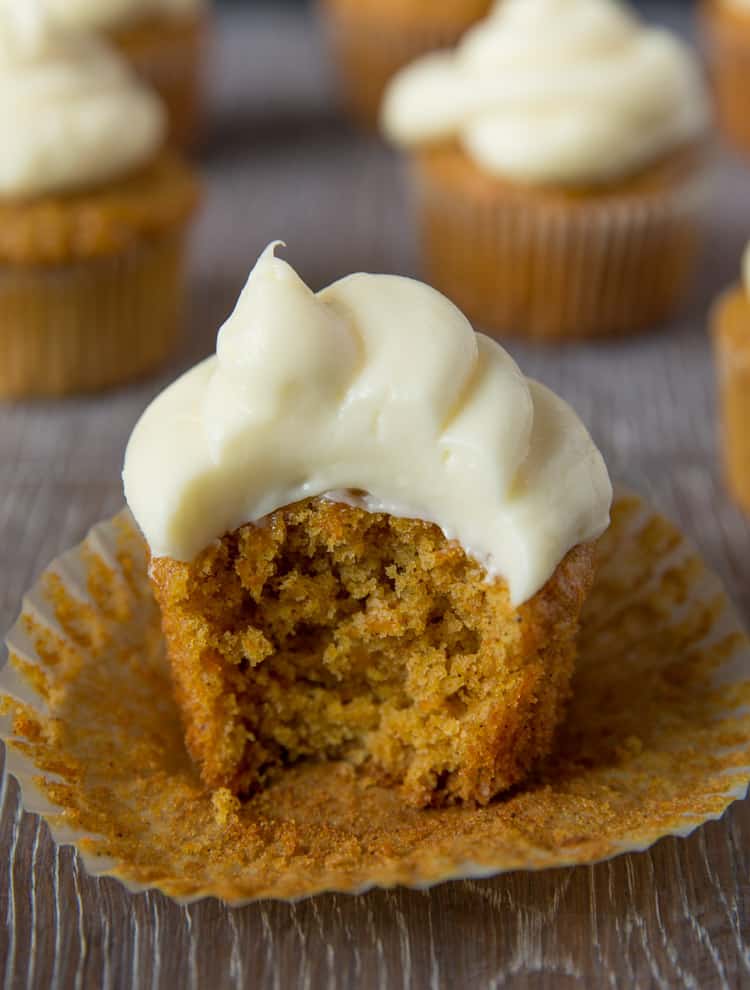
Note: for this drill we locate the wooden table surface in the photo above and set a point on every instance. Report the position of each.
(282, 165)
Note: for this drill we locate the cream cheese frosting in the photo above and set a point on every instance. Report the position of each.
(97, 15)
(72, 112)
(377, 384)
(547, 91)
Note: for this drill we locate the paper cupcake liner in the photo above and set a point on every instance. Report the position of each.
(173, 62)
(729, 53)
(596, 267)
(656, 742)
(732, 352)
(367, 54)
(89, 324)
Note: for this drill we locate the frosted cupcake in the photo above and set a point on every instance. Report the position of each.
(164, 40)
(560, 160)
(372, 39)
(371, 539)
(727, 25)
(93, 214)
(731, 332)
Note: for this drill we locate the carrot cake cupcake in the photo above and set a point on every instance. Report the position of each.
(371, 538)
(372, 39)
(727, 24)
(164, 40)
(560, 158)
(93, 214)
(731, 332)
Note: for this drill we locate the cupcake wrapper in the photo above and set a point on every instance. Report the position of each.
(657, 740)
(595, 268)
(733, 369)
(369, 53)
(175, 69)
(90, 324)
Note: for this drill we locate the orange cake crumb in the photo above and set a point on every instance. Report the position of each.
(329, 633)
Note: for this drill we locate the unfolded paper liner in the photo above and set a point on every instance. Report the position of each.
(556, 271)
(657, 740)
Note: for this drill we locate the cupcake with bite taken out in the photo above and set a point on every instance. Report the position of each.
(372, 39)
(93, 214)
(560, 158)
(164, 40)
(371, 539)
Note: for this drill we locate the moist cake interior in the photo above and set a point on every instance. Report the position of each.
(329, 632)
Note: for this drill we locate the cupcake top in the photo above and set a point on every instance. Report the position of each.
(375, 390)
(73, 113)
(554, 91)
(105, 14)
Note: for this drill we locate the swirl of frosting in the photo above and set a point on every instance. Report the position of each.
(546, 91)
(377, 384)
(72, 112)
(98, 15)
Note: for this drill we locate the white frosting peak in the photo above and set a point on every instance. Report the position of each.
(376, 384)
(281, 338)
(554, 91)
(71, 111)
(104, 14)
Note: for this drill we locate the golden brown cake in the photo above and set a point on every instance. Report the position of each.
(371, 538)
(170, 53)
(93, 216)
(372, 39)
(731, 334)
(727, 29)
(333, 633)
(560, 160)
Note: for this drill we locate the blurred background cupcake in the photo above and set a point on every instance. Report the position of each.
(93, 213)
(731, 333)
(372, 39)
(560, 157)
(728, 29)
(164, 40)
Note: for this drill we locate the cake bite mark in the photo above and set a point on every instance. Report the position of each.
(334, 633)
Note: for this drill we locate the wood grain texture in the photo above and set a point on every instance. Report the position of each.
(281, 164)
